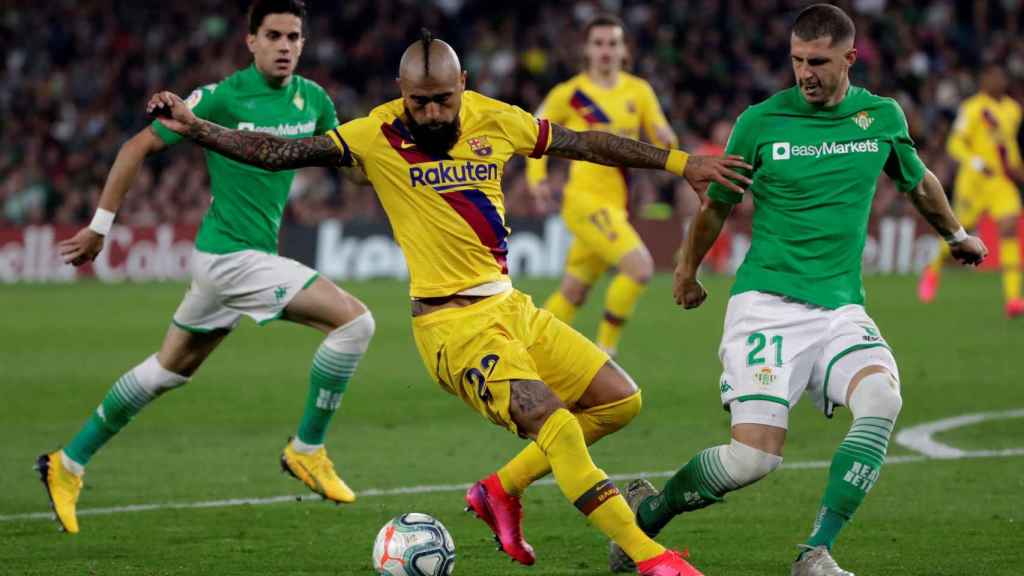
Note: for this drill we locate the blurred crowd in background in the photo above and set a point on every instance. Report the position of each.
(76, 75)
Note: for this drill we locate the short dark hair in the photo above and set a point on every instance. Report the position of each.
(259, 10)
(821, 20)
(600, 21)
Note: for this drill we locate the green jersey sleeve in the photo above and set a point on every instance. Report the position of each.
(903, 165)
(201, 101)
(742, 141)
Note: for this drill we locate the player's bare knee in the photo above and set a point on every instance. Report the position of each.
(183, 352)
(638, 265)
(354, 307)
(530, 405)
(574, 290)
(761, 424)
(875, 393)
(184, 362)
(769, 439)
(611, 384)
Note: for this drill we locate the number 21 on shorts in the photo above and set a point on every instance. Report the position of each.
(757, 342)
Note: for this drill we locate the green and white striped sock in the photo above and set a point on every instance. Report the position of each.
(129, 395)
(854, 471)
(328, 379)
(702, 482)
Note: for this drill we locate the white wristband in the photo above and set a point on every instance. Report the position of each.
(102, 221)
(957, 237)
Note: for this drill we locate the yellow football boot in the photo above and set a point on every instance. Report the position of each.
(62, 487)
(317, 472)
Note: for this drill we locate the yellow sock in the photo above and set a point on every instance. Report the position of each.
(560, 306)
(588, 487)
(936, 264)
(531, 464)
(1009, 258)
(620, 301)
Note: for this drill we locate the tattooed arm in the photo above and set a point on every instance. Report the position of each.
(255, 148)
(605, 148)
(611, 150)
(264, 150)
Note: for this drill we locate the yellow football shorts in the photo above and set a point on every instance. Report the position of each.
(602, 235)
(975, 196)
(476, 351)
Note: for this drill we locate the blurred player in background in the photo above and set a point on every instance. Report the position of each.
(595, 201)
(795, 321)
(235, 267)
(435, 158)
(984, 142)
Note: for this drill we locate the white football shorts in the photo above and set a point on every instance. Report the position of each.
(775, 348)
(249, 282)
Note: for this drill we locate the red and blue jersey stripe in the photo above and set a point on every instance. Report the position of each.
(482, 216)
(591, 112)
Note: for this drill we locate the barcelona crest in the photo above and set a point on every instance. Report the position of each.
(480, 145)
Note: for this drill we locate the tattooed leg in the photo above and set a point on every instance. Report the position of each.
(531, 404)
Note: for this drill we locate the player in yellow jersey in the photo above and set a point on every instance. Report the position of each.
(596, 197)
(435, 158)
(984, 142)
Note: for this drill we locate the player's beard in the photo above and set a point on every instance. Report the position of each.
(436, 138)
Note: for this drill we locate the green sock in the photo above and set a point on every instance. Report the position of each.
(124, 400)
(700, 483)
(328, 379)
(854, 470)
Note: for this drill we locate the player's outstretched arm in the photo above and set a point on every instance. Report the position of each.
(87, 243)
(611, 150)
(256, 148)
(687, 290)
(930, 200)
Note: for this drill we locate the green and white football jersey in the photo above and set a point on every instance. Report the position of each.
(815, 174)
(248, 202)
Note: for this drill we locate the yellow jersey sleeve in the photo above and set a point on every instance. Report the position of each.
(556, 109)
(354, 137)
(958, 145)
(653, 118)
(528, 135)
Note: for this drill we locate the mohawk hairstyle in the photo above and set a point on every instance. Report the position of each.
(425, 39)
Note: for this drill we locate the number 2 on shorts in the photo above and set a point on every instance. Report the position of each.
(758, 340)
(479, 380)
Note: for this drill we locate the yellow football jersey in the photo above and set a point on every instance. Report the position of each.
(447, 213)
(625, 109)
(986, 128)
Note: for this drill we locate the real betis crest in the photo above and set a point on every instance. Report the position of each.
(863, 120)
(298, 101)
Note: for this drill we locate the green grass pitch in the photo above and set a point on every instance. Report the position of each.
(219, 438)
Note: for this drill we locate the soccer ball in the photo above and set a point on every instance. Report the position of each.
(414, 545)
